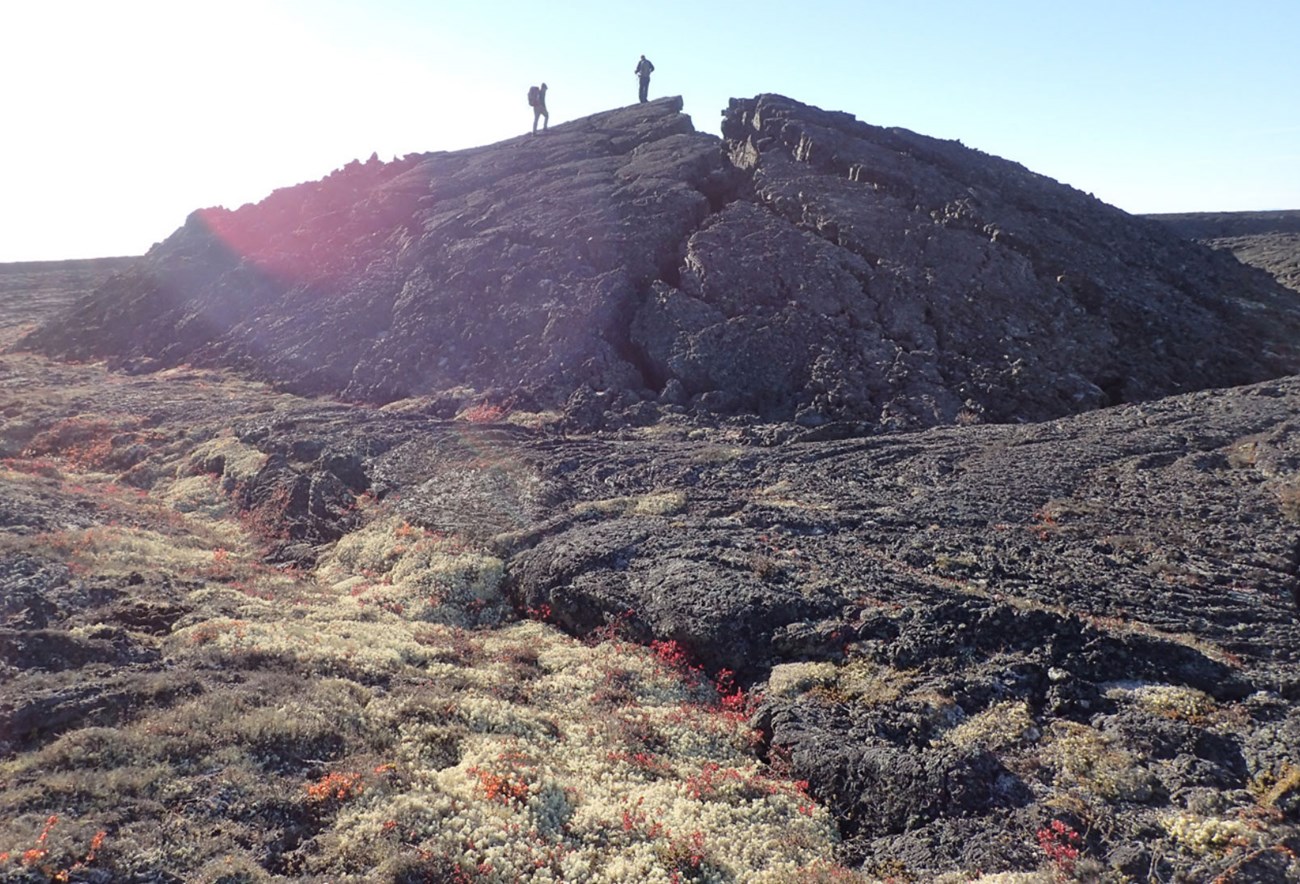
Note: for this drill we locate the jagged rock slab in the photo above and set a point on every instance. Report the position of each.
(959, 604)
(921, 282)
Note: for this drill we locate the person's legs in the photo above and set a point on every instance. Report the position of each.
(645, 89)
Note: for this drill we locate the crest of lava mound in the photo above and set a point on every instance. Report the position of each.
(806, 266)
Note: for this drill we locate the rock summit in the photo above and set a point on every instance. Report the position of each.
(806, 267)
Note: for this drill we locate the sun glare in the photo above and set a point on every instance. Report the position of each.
(161, 108)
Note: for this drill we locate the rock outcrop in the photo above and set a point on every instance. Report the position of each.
(502, 268)
(806, 267)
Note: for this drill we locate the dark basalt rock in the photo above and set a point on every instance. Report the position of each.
(945, 282)
(52, 622)
(1044, 566)
(722, 609)
(510, 266)
(808, 267)
(1052, 612)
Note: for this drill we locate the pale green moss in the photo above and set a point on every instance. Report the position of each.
(1000, 727)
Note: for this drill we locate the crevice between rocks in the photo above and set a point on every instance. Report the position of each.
(720, 189)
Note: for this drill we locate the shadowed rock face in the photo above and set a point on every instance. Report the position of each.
(937, 281)
(808, 266)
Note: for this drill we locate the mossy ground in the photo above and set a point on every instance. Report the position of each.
(179, 700)
(385, 715)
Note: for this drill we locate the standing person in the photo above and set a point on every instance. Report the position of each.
(537, 98)
(643, 71)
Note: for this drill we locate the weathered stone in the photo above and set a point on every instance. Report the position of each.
(809, 267)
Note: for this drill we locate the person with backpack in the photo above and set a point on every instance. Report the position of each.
(643, 71)
(537, 101)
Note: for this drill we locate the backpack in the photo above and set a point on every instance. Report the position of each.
(533, 95)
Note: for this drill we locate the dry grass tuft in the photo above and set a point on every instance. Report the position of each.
(665, 503)
(1087, 761)
(1000, 728)
(1288, 500)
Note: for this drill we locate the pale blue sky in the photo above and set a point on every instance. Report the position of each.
(124, 116)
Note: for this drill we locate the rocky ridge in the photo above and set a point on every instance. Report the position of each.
(807, 266)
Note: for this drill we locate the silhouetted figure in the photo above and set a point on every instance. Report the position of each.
(643, 71)
(537, 99)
